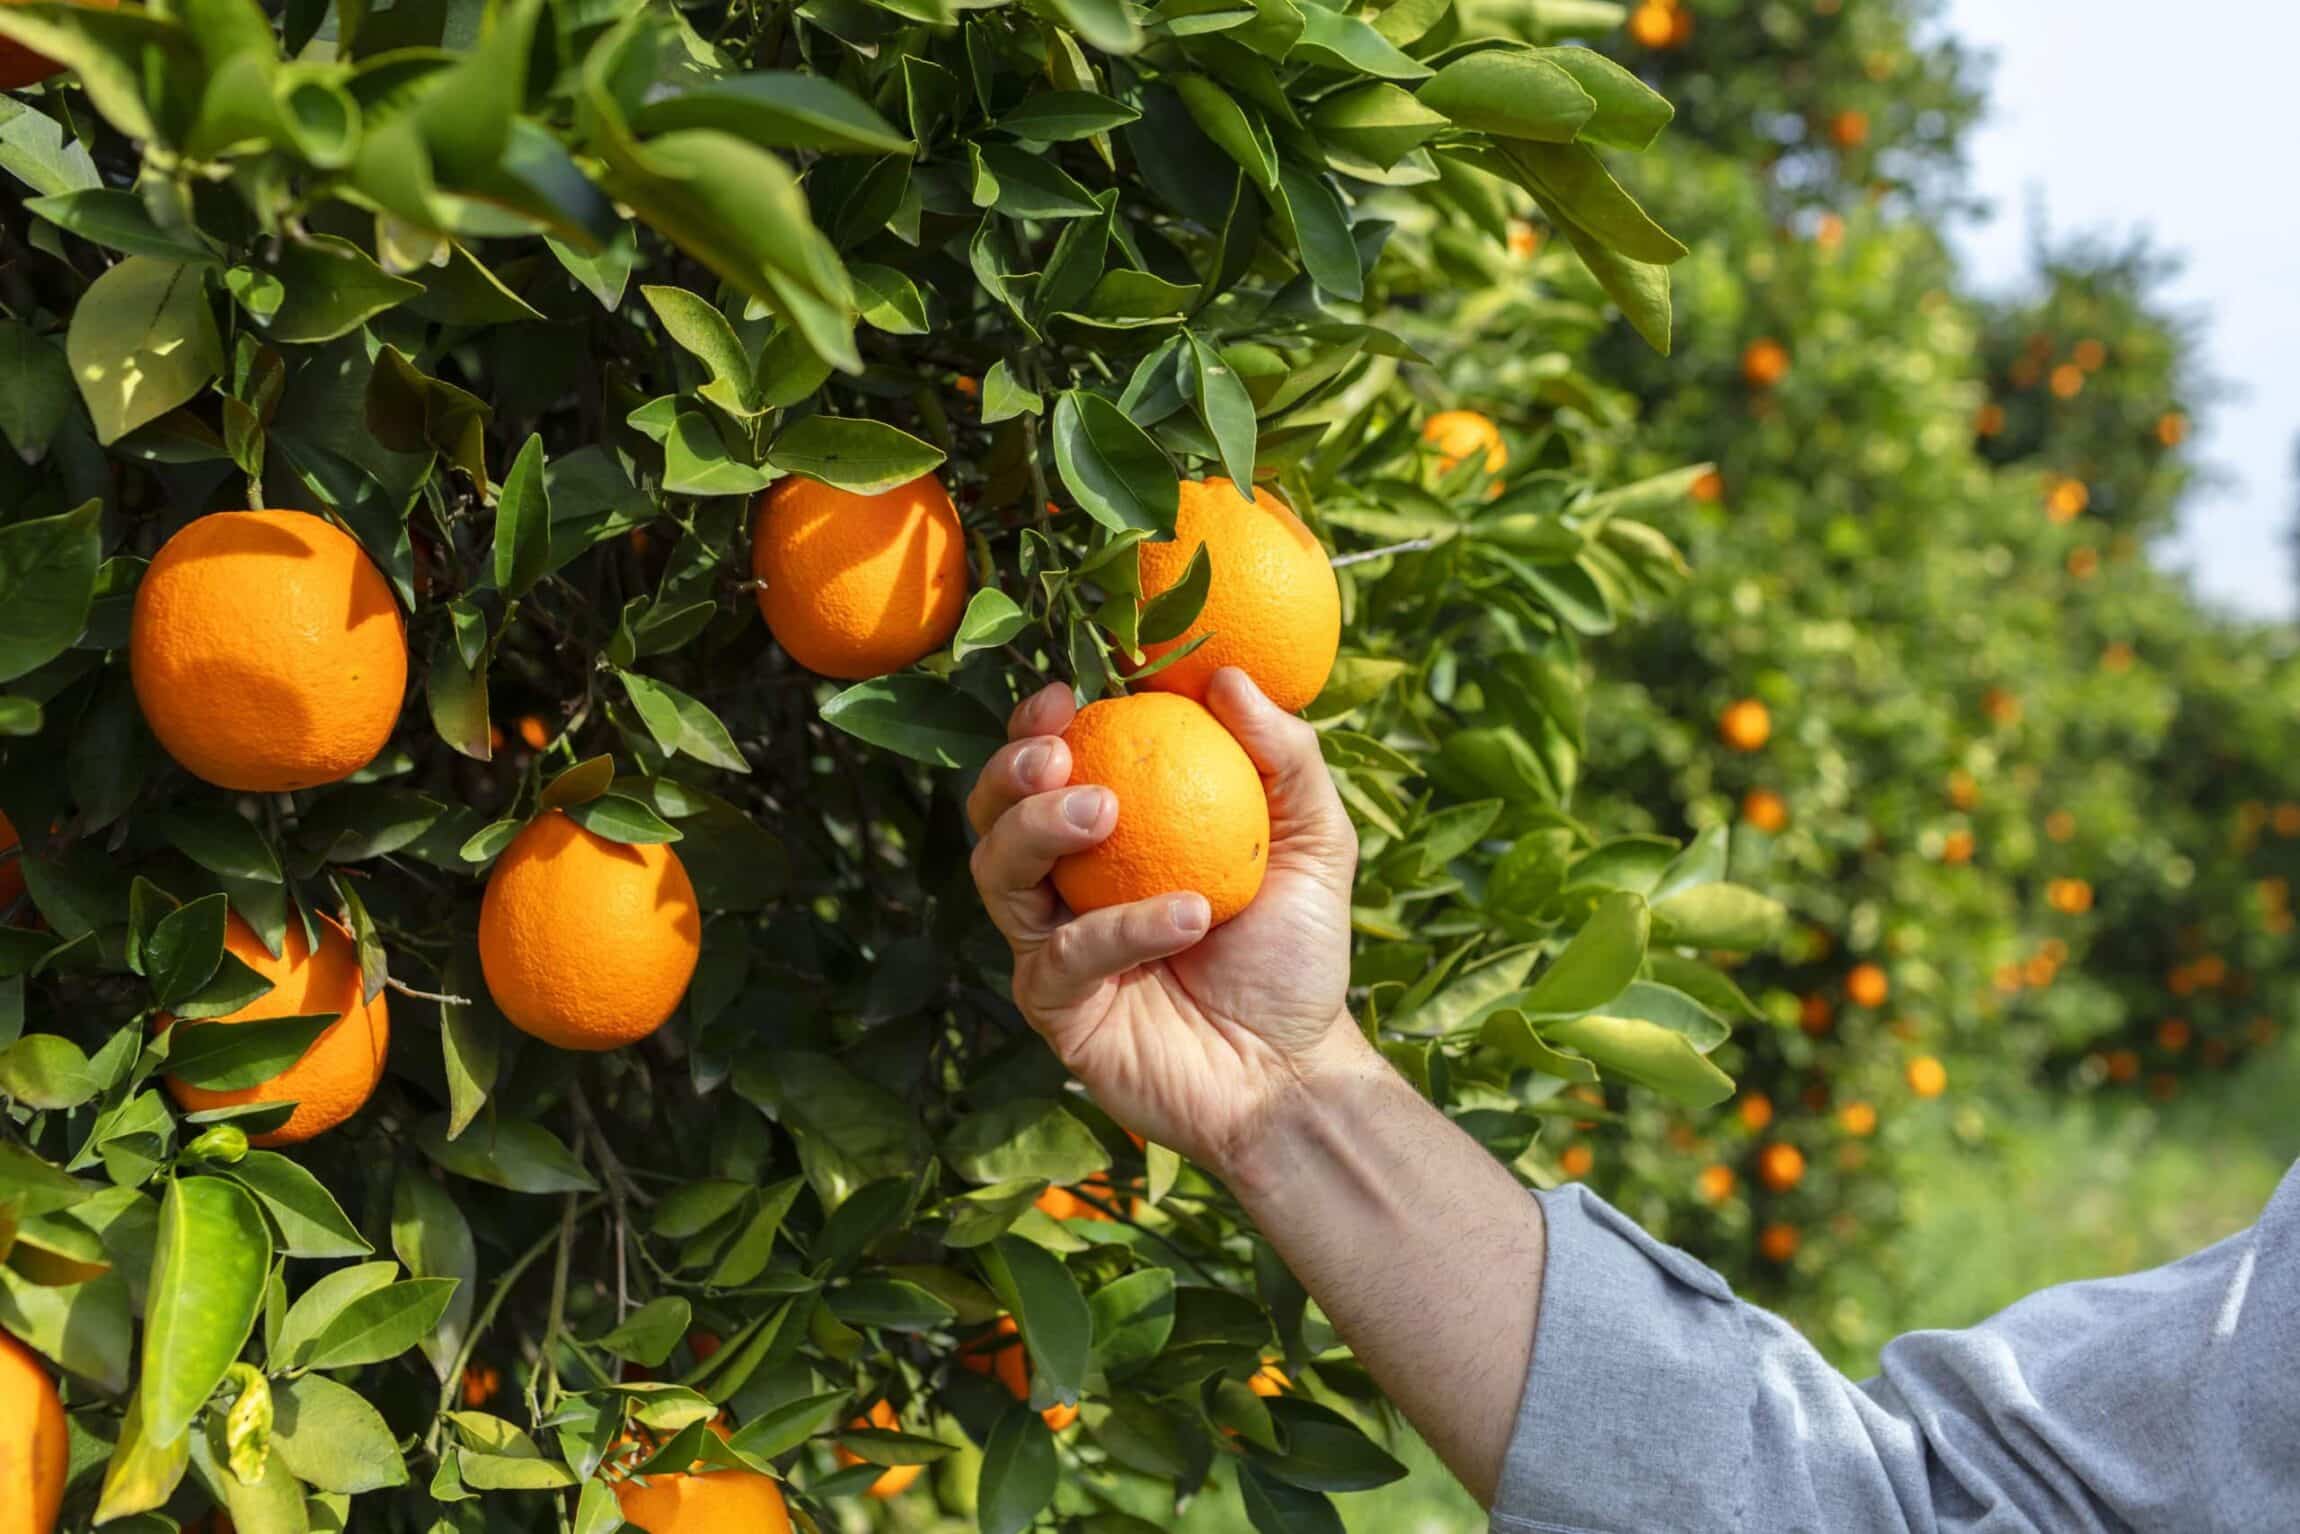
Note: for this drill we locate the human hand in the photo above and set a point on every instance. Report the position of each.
(1190, 1038)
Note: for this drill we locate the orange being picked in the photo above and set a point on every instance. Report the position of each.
(855, 586)
(587, 943)
(20, 66)
(267, 651)
(1460, 435)
(1745, 725)
(1273, 609)
(1192, 813)
(704, 1500)
(999, 1354)
(33, 1453)
(1063, 1204)
(339, 1072)
(897, 1478)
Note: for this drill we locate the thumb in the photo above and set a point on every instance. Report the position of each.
(1306, 814)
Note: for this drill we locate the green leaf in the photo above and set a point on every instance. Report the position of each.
(119, 221)
(1600, 961)
(1340, 40)
(1237, 131)
(231, 1057)
(849, 1132)
(1002, 397)
(1169, 614)
(319, 1305)
(47, 581)
(430, 1235)
(143, 1472)
(1719, 916)
(1025, 1138)
(1646, 1053)
(1133, 1316)
(1321, 225)
(142, 342)
(703, 332)
(219, 840)
(918, 716)
(1226, 408)
(991, 619)
(1377, 122)
(87, 1328)
(506, 1153)
(780, 1429)
(778, 109)
(1641, 288)
(1057, 1327)
(329, 288)
(696, 461)
(1019, 1472)
(381, 1324)
(46, 1072)
(1056, 116)
(455, 695)
(1110, 464)
(208, 1269)
(1629, 113)
(35, 388)
(185, 947)
(1512, 95)
(311, 1223)
(648, 1334)
(523, 523)
(622, 819)
(1571, 180)
(1274, 1507)
(866, 457)
(331, 1439)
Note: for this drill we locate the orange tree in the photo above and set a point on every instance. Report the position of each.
(584, 1087)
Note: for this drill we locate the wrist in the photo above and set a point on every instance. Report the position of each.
(1305, 1112)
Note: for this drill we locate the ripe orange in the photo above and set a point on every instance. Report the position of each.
(587, 943)
(1269, 1380)
(1192, 814)
(11, 863)
(339, 1072)
(1708, 487)
(20, 66)
(1524, 240)
(1651, 25)
(1459, 435)
(1274, 609)
(1850, 128)
(2090, 354)
(1957, 848)
(33, 1449)
(1780, 1167)
(1866, 986)
(480, 1382)
(1857, 1119)
(534, 732)
(1927, 1076)
(1577, 1161)
(1756, 1111)
(1778, 1242)
(855, 586)
(999, 1354)
(1062, 1204)
(897, 1478)
(1746, 725)
(2067, 381)
(2171, 429)
(1764, 363)
(2067, 499)
(1715, 1184)
(704, 1501)
(1765, 809)
(267, 651)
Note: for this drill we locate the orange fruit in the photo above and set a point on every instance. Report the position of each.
(1651, 25)
(1746, 725)
(2067, 381)
(1273, 608)
(480, 1382)
(1765, 809)
(1459, 435)
(339, 1072)
(1850, 128)
(855, 586)
(1062, 1204)
(1964, 793)
(1756, 1111)
(11, 863)
(267, 651)
(704, 1501)
(534, 732)
(1957, 847)
(1780, 1167)
(1524, 240)
(999, 1354)
(1778, 1242)
(1269, 1380)
(1814, 1014)
(2171, 429)
(33, 1448)
(2173, 1034)
(2123, 1065)
(1990, 421)
(2067, 499)
(1927, 1076)
(2001, 706)
(1192, 814)
(1857, 1119)
(1715, 1184)
(2090, 354)
(1829, 231)
(20, 66)
(587, 943)
(1866, 986)
(1708, 487)
(897, 1478)
(1764, 363)
(1577, 1161)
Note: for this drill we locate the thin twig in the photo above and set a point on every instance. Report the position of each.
(404, 989)
(479, 1326)
(556, 1317)
(619, 1182)
(1410, 546)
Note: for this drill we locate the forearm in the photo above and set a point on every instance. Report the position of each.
(1422, 1249)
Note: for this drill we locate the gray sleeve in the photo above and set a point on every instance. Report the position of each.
(1657, 1401)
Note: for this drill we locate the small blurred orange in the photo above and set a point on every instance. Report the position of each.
(2089, 354)
(1708, 486)
(1524, 240)
(2067, 381)
(897, 1479)
(2060, 825)
(2171, 429)
(1764, 363)
(480, 1382)
(1577, 1161)
(1867, 986)
(534, 732)
(2287, 819)
(2067, 500)
(1850, 128)
(1765, 809)
(2083, 564)
(2001, 706)
(1814, 1014)
(1964, 793)
(1927, 1077)
(1780, 1166)
(1756, 1112)
(1651, 25)
(1989, 421)
(1857, 1119)
(1745, 725)
(1957, 847)
(2117, 658)
(1778, 1242)
(2173, 1034)
(967, 385)
(1715, 1184)
(1829, 231)
(1269, 1380)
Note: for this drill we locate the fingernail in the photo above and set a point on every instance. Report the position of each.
(1189, 914)
(1029, 762)
(1083, 808)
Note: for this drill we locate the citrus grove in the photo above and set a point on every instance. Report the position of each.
(520, 521)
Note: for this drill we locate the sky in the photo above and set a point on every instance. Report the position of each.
(2111, 116)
